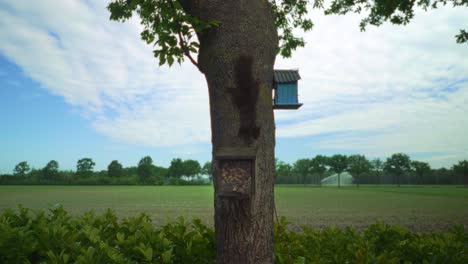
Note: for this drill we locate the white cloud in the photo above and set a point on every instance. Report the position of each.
(102, 67)
(384, 90)
(179, 120)
(378, 89)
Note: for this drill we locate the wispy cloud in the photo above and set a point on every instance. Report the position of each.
(390, 89)
(73, 50)
(385, 90)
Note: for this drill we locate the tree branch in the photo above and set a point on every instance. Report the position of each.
(187, 52)
(187, 6)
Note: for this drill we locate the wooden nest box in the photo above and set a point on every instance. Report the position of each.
(285, 89)
(237, 172)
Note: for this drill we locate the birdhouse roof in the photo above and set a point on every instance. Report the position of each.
(285, 76)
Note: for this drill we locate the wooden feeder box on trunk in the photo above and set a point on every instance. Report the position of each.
(237, 167)
(285, 89)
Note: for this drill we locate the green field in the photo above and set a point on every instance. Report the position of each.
(418, 208)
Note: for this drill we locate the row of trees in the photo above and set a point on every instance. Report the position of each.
(396, 169)
(146, 172)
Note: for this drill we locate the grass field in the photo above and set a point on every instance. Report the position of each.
(418, 208)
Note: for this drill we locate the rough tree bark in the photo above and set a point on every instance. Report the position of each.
(237, 59)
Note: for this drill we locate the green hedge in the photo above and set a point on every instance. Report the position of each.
(56, 237)
(97, 180)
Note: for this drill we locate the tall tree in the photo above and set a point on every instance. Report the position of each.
(115, 169)
(377, 168)
(51, 169)
(207, 170)
(319, 166)
(338, 163)
(283, 171)
(462, 169)
(420, 169)
(358, 165)
(160, 173)
(145, 169)
(84, 167)
(191, 168)
(302, 167)
(237, 42)
(397, 165)
(21, 169)
(176, 169)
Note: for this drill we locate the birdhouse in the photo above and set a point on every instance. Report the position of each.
(285, 89)
(237, 172)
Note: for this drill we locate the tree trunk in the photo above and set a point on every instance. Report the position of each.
(339, 180)
(237, 59)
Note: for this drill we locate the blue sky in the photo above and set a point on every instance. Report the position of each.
(74, 84)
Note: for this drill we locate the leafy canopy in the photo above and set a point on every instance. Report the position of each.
(398, 12)
(145, 168)
(85, 166)
(377, 165)
(51, 169)
(319, 164)
(283, 169)
(461, 168)
(338, 163)
(420, 168)
(21, 169)
(115, 169)
(172, 30)
(397, 164)
(207, 168)
(358, 165)
(302, 166)
(52, 166)
(165, 25)
(191, 168)
(187, 168)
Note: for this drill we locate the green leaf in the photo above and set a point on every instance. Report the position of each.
(162, 59)
(120, 237)
(166, 256)
(170, 60)
(163, 22)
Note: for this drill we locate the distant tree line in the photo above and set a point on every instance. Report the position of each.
(397, 169)
(180, 172)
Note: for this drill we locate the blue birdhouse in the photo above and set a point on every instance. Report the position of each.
(285, 89)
